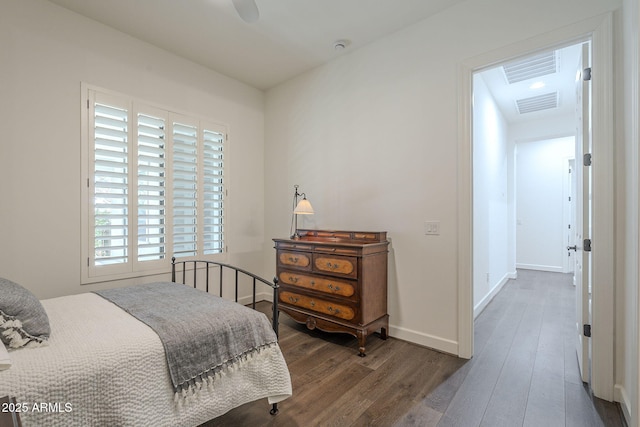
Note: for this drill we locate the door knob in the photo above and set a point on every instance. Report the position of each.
(574, 247)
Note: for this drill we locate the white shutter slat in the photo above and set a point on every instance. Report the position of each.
(152, 174)
(117, 144)
(115, 134)
(107, 110)
(151, 161)
(149, 193)
(149, 133)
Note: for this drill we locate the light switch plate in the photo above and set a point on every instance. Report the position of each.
(432, 228)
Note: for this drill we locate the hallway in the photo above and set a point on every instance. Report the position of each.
(525, 369)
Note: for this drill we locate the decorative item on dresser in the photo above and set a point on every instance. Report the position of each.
(303, 207)
(335, 281)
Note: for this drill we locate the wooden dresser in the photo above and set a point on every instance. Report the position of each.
(335, 281)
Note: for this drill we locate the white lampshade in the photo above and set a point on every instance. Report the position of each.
(303, 208)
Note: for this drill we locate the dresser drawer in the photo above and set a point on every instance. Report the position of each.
(295, 246)
(340, 311)
(316, 283)
(336, 265)
(338, 250)
(300, 260)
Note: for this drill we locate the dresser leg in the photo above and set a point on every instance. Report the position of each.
(362, 340)
(383, 333)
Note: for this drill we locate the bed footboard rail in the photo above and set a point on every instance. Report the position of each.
(208, 266)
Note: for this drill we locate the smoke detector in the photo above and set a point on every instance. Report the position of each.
(341, 44)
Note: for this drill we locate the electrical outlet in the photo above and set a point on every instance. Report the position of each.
(432, 228)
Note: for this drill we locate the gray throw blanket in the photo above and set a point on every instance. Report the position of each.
(202, 334)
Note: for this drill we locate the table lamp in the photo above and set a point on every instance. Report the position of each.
(302, 207)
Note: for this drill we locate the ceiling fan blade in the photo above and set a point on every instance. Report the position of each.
(247, 9)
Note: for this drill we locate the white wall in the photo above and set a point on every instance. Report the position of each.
(492, 216)
(372, 139)
(541, 191)
(45, 53)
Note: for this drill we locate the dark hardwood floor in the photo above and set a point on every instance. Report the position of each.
(524, 372)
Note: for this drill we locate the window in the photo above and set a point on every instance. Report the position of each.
(154, 189)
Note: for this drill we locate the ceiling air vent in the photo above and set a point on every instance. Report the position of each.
(531, 67)
(537, 103)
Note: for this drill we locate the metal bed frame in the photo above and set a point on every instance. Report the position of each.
(207, 265)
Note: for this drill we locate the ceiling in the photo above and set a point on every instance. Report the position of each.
(290, 36)
(545, 79)
(293, 36)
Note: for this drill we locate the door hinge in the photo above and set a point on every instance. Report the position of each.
(586, 330)
(586, 245)
(586, 74)
(587, 159)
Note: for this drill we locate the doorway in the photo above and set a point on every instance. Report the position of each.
(524, 133)
(599, 30)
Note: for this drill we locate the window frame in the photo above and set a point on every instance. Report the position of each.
(133, 267)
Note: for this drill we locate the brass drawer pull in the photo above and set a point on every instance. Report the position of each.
(293, 300)
(332, 310)
(333, 288)
(293, 259)
(293, 279)
(332, 266)
(312, 303)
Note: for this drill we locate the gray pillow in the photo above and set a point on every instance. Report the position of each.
(23, 321)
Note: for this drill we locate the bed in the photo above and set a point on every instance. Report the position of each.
(100, 365)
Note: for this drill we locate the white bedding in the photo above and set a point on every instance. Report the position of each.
(104, 367)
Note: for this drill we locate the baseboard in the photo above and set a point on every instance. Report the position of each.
(551, 268)
(620, 395)
(426, 340)
(260, 296)
(492, 293)
(436, 343)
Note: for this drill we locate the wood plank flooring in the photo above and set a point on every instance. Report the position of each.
(524, 372)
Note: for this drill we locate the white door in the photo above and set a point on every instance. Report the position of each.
(583, 214)
(570, 215)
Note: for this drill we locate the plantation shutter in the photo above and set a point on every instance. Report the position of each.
(151, 191)
(213, 191)
(110, 184)
(155, 187)
(185, 177)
